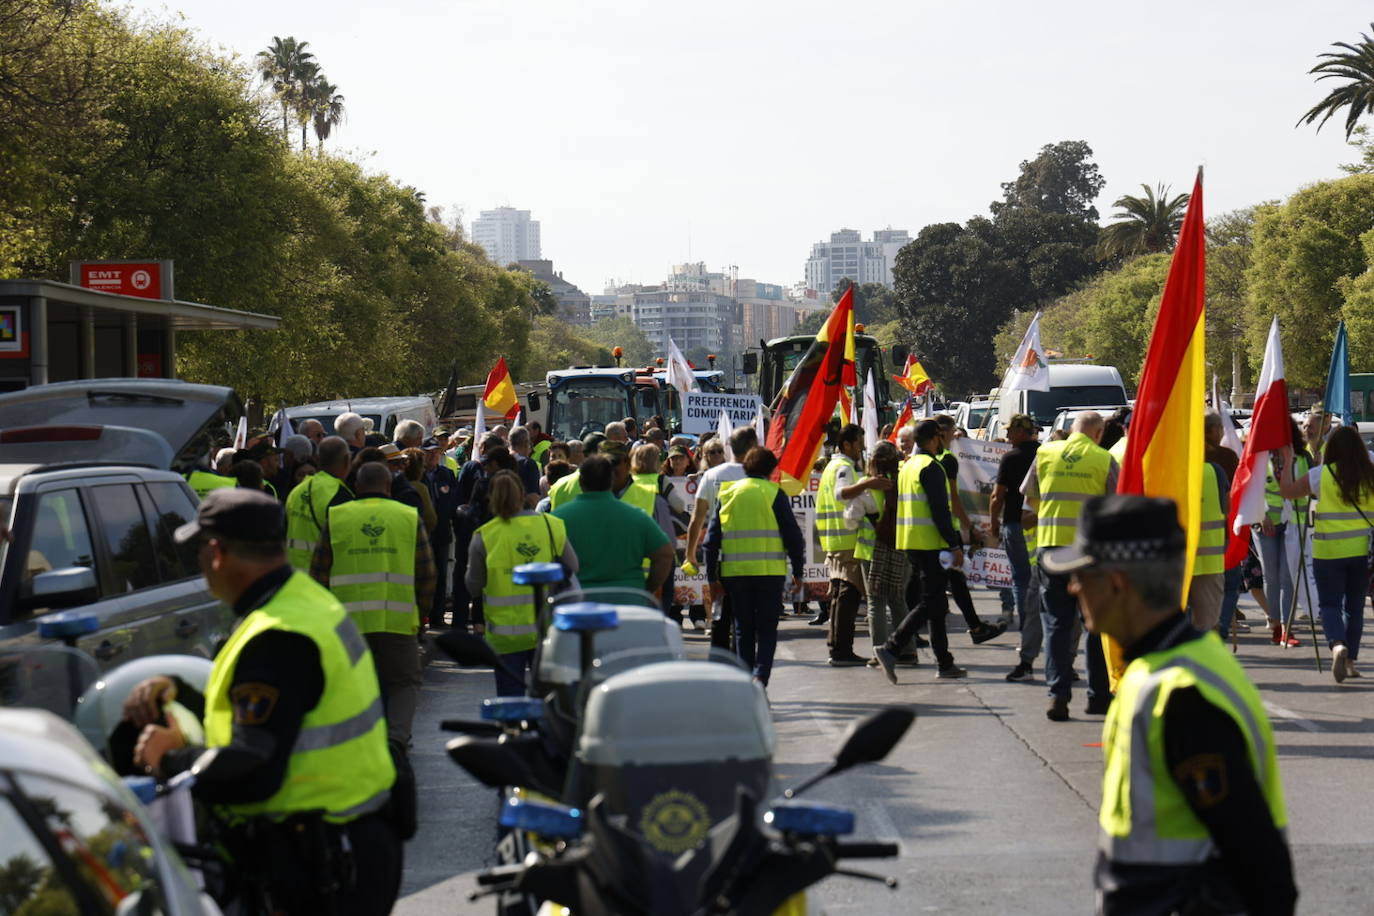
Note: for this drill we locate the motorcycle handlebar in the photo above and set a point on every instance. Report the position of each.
(866, 850)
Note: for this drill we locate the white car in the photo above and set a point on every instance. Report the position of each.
(73, 838)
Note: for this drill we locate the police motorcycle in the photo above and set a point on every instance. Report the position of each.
(671, 763)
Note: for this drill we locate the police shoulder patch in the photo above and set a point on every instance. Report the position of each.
(1202, 778)
(253, 703)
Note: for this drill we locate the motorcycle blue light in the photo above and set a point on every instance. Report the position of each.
(811, 818)
(585, 615)
(537, 574)
(542, 818)
(512, 709)
(68, 623)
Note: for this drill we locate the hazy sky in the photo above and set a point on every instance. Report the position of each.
(745, 131)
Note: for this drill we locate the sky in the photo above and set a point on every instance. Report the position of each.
(740, 132)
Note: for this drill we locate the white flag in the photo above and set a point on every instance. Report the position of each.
(870, 423)
(284, 430)
(723, 430)
(760, 424)
(1028, 370)
(1230, 435)
(679, 373)
(241, 436)
(479, 428)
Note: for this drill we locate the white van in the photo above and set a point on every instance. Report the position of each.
(385, 413)
(1071, 385)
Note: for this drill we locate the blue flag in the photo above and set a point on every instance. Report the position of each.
(1338, 380)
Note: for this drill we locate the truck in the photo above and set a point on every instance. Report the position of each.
(708, 380)
(1071, 385)
(779, 356)
(583, 399)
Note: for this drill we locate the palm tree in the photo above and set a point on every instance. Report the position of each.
(327, 108)
(303, 101)
(1355, 63)
(281, 66)
(1144, 224)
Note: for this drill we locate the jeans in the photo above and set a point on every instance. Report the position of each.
(1032, 625)
(1341, 588)
(1229, 600)
(1014, 543)
(930, 610)
(1278, 578)
(757, 605)
(507, 685)
(1059, 612)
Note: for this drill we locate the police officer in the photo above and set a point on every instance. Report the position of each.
(374, 556)
(295, 756)
(1192, 814)
(308, 504)
(1064, 475)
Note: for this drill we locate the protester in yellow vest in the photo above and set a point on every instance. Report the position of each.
(1344, 488)
(1192, 813)
(514, 536)
(293, 719)
(840, 484)
(308, 504)
(375, 557)
(202, 481)
(752, 540)
(1064, 475)
(885, 567)
(1207, 588)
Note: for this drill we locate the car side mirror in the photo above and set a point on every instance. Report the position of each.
(63, 587)
(749, 363)
(533, 402)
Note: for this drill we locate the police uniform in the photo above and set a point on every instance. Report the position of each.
(1192, 813)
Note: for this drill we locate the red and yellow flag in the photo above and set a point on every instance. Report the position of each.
(807, 401)
(914, 377)
(1164, 451)
(499, 397)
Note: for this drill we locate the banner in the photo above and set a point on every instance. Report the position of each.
(701, 410)
(978, 461)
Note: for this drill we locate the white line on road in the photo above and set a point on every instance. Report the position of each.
(1306, 725)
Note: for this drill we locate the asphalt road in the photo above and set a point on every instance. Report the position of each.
(994, 805)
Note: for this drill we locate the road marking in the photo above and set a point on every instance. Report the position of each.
(1306, 725)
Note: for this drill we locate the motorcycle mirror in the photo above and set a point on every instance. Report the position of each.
(488, 762)
(468, 649)
(868, 740)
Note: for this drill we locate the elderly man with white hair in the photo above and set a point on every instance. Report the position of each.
(313, 430)
(409, 434)
(351, 428)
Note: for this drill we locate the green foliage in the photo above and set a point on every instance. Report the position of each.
(1308, 253)
(1353, 63)
(1230, 245)
(553, 344)
(813, 322)
(874, 303)
(1144, 224)
(1061, 179)
(624, 333)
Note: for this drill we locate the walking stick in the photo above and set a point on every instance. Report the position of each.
(1300, 577)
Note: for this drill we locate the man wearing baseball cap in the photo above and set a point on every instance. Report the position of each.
(1004, 517)
(1192, 812)
(293, 718)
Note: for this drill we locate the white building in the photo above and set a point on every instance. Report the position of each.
(507, 235)
(848, 255)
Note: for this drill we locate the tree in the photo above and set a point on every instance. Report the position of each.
(874, 303)
(1061, 179)
(1145, 225)
(326, 107)
(281, 66)
(812, 322)
(1353, 63)
(624, 333)
(1230, 244)
(554, 344)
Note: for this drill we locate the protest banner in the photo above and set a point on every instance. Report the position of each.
(978, 460)
(701, 410)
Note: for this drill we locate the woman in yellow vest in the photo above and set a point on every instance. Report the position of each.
(514, 536)
(752, 538)
(1344, 488)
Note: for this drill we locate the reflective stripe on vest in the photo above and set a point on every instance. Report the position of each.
(834, 534)
(915, 525)
(509, 608)
(1145, 818)
(1211, 542)
(750, 542)
(205, 481)
(867, 535)
(340, 763)
(1273, 501)
(1339, 530)
(1068, 472)
(565, 490)
(373, 573)
(306, 506)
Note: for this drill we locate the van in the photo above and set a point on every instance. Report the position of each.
(384, 413)
(1071, 385)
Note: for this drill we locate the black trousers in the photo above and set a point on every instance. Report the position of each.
(930, 609)
(436, 616)
(958, 590)
(845, 598)
(723, 630)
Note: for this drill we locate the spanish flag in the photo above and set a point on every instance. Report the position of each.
(499, 397)
(807, 401)
(914, 377)
(1164, 452)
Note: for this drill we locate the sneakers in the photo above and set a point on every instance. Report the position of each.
(888, 661)
(1020, 672)
(1097, 706)
(820, 620)
(909, 660)
(1059, 710)
(1338, 662)
(985, 631)
(1276, 636)
(1350, 669)
(846, 661)
(699, 626)
(921, 643)
(951, 672)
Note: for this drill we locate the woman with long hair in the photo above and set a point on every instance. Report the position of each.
(514, 536)
(1344, 489)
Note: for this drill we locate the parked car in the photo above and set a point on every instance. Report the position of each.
(384, 413)
(73, 838)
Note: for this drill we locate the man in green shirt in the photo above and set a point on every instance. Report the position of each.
(613, 538)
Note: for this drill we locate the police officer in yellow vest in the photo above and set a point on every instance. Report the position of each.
(375, 557)
(840, 484)
(514, 536)
(1064, 475)
(308, 504)
(1192, 814)
(294, 757)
